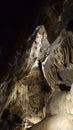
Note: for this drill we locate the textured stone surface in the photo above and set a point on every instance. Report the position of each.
(60, 102)
(29, 89)
(61, 122)
(36, 69)
(39, 48)
(59, 59)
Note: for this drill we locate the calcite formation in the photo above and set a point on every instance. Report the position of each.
(33, 93)
(36, 84)
(60, 116)
(59, 59)
(60, 102)
(60, 122)
(39, 48)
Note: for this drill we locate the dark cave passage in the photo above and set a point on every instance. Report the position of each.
(17, 18)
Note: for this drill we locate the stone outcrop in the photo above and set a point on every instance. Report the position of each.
(38, 87)
(60, 108)
(62, 122)
(60, 102)
(35, 86)
(59, 60)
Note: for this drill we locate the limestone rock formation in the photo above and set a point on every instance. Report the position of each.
(60, 102)
(30, 98)
(37, 90)
(59, 60)
(61, 122)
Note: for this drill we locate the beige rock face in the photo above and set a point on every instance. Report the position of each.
(29, 98)
(60, 102)
(39, 48)
(58, 58)
(56, 122)
(61, 108)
